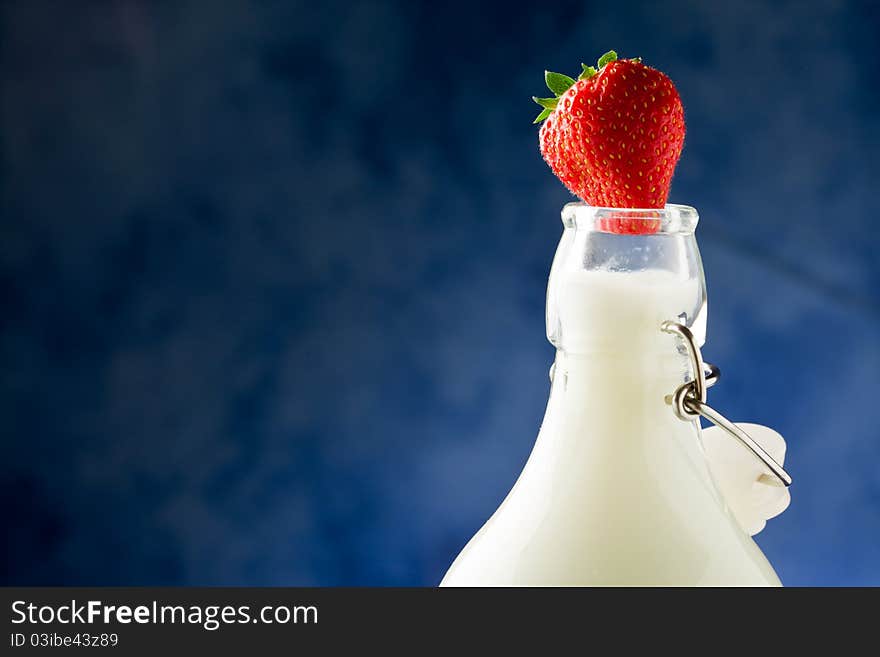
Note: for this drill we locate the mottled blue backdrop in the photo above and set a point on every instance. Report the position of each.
(272, 274)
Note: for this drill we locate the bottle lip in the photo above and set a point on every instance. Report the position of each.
(673, 219)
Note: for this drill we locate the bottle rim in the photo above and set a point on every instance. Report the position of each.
(672, 219)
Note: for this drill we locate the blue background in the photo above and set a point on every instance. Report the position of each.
(272, 274)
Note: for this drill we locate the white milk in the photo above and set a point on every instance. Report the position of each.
(616, 490)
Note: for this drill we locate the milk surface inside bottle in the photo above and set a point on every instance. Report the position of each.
(617, 490)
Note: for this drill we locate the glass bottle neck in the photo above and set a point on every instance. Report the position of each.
(609, 293)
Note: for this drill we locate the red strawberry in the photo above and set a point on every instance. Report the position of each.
(613, 137)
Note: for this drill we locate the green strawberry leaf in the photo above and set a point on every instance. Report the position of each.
(609, 56)
(557, 82)
(543, 115)
(549, 103)
(589, 72)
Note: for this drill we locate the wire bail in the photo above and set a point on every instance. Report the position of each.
(689, 400)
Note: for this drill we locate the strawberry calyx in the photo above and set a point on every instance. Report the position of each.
(559, 83)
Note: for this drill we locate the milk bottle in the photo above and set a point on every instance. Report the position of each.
(617, 489)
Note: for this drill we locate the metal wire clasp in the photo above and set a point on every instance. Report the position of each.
(689, 400)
